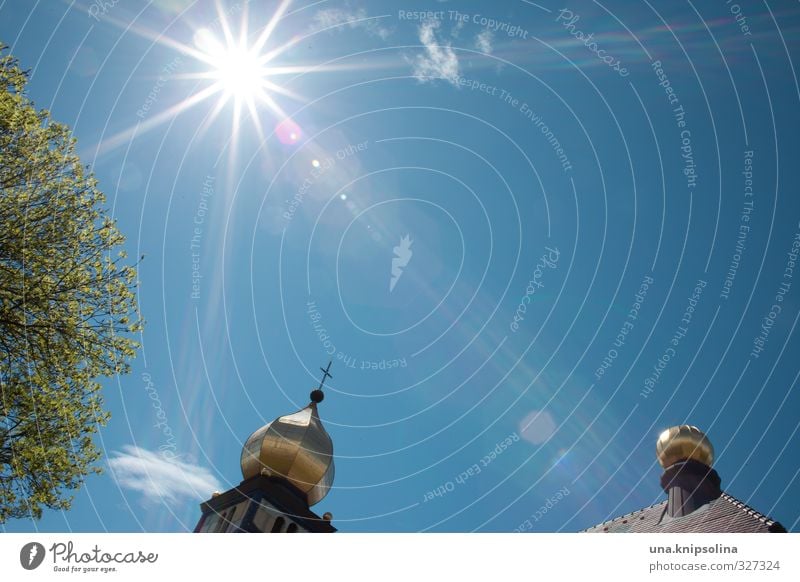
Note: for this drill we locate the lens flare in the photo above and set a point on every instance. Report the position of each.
(288, 132)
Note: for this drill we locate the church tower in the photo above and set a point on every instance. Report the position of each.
(287, 467)
(695, 501)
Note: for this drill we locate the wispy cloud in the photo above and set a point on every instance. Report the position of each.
(439, 60)
(160, 479)
(483, 41)
(336, 18)
(456, 29)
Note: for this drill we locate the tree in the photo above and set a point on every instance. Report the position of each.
(67, 306)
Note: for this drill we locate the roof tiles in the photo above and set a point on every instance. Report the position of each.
(722, 515)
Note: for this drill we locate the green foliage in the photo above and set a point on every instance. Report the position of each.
(67, 306)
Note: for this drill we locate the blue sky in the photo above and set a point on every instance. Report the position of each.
(600, 207)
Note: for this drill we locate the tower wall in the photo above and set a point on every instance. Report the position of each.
(260, 504)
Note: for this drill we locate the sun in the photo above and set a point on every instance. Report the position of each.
(239, 71)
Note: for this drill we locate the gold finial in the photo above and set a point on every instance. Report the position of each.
(295, 447)
(681, 443)
(317, 394)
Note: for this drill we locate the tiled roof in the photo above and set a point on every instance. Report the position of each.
(724, 514)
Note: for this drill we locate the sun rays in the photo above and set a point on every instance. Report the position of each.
(241, 70)
(231, 72)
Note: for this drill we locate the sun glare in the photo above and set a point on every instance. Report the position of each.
(238, 70)
(241, 70)
(240, 73)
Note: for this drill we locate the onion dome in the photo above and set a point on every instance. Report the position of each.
(682, 443)
(295, 447)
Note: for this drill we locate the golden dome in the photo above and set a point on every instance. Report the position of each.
(684, 442)
(295, 447)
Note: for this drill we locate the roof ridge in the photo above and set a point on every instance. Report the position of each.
(768, 521)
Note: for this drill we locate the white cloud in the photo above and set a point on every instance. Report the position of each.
(159, 478)
(335, 17)
(483, 41)
(439, 60)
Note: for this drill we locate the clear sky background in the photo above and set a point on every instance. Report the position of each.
(538, 172)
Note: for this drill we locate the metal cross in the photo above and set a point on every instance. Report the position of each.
(325, 374)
